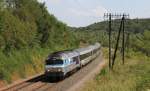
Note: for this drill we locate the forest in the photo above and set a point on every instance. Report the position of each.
(28, 34)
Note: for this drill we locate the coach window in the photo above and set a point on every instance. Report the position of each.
(84, 56)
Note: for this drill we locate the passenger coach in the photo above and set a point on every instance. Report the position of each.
(59, 64)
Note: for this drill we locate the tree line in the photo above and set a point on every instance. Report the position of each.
(27, 23)
(28, 34)
(137, 31)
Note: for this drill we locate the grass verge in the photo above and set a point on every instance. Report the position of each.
(133, 76)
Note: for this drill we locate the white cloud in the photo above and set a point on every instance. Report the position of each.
(95, 12)
(79, 12)
(75, 14)
(99, 11)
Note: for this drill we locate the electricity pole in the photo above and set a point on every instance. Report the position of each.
(111, 16)
(123, 40)
(110, 40)
(118, 38)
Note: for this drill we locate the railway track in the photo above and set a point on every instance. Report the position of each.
(35, 84)
(41, 83)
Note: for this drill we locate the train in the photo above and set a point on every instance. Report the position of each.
(60, 64)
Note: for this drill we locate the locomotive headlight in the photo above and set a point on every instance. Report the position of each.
(48, 70)
(59, 69)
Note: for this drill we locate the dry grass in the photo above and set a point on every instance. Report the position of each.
(133, 76)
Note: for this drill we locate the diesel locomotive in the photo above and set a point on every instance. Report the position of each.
(59, 64)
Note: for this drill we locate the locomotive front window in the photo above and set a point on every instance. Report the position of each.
(54, 61)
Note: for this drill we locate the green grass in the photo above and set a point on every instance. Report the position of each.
(17, 61)
(24, 63)
(133, 76)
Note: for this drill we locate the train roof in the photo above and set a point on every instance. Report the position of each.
(88, 49)
(73, 53)
(97, 45)
(84, 50)
(64, 54)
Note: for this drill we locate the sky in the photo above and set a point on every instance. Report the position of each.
(80, 13)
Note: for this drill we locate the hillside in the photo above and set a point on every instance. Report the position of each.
(28, 33)
(134, 74)
(138, 31)
(27, 24)
(132, 25)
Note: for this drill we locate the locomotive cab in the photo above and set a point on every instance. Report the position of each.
(60, 63)
(54, 66)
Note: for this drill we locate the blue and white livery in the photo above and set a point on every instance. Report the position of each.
(59, 64)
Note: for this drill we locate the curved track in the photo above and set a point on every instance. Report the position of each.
(41, 83)
(34, 84)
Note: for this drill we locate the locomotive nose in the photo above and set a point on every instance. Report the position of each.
(51, 69)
